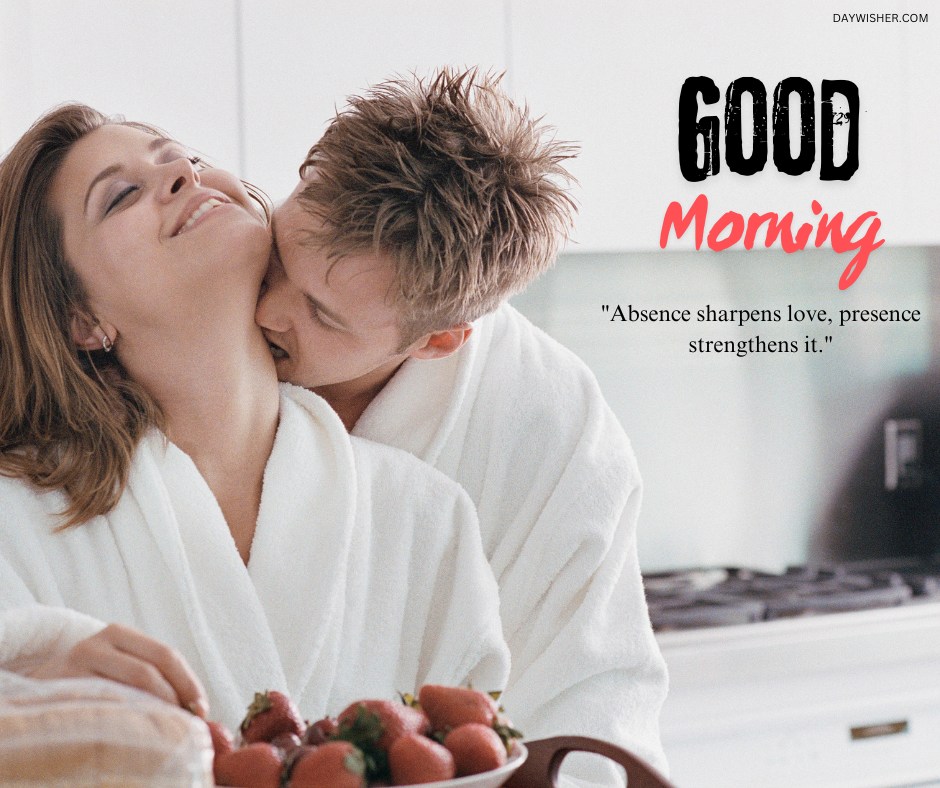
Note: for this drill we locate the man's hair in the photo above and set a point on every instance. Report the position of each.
(460, 187)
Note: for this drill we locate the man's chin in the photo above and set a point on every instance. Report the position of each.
(288, 373)
(284, 369)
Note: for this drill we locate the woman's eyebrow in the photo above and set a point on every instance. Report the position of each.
(107, 172)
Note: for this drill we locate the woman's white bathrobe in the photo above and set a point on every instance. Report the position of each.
(366, 573)
(521, 424)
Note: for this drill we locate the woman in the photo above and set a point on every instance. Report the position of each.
(250, 538)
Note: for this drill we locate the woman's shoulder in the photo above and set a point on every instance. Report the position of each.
(29, 516)
(20, 496)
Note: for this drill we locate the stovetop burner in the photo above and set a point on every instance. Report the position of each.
(734, 595)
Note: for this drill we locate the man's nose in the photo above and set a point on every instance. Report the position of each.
(270, 312)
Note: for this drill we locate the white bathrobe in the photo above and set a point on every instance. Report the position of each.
(520, 423)
(366, 573)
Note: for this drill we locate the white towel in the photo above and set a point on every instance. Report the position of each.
(366, 574)
(520, 423)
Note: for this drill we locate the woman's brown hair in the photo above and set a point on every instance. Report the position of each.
(68, 420)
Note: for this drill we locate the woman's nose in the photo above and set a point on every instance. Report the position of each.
(178, 173)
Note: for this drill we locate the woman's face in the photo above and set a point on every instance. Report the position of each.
(153, 239)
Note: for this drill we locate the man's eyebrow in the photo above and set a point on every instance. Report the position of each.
(107, 172)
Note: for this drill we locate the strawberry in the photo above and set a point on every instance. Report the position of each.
(448, 707)
(286, 742)
(222, 740)
(476, 748)
(380, 722)
(415, 759)
(336, 764)
(269, 714)
(255, 765)
(291, 759)
(320, 731)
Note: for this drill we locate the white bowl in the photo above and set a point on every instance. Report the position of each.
(491, 779)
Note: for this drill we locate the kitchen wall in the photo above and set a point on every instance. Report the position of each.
(745, 459)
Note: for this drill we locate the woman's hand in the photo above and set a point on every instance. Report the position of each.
(130, 657)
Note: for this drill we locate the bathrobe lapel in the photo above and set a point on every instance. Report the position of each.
(423, 406)
(300, 552)
(206, 575)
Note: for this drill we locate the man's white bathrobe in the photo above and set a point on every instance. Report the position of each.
(521, 424)
(366, 574)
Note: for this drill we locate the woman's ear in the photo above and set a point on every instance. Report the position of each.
(88, 333)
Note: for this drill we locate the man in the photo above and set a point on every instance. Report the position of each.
(425, 205)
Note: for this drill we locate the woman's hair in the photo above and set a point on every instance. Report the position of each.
(69, 420)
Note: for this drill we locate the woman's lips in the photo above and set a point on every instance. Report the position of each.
(195, 210)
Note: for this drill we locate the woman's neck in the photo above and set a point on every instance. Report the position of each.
(220, 401)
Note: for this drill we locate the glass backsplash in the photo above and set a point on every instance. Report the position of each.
(769, 454)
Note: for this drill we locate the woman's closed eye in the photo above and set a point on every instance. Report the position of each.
(129, 189)
(115, 201)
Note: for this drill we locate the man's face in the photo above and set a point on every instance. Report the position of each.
(332, 326)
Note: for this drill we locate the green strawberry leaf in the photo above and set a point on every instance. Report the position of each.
(259, 705)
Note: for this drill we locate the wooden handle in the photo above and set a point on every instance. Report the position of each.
(540, 769)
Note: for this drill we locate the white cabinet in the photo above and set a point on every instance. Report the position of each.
(609, 75)
(170, 63)
(301, 60)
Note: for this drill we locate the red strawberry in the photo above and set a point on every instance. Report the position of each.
(476, 748)
(415, 759)
(255, 765)
(336, 764)
(286, 742)
(269, 714)
(380, 722)
(448, 707)
(222, 740)
(320, 731)
(292, 758)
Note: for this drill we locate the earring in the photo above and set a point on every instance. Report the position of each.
(106, 343)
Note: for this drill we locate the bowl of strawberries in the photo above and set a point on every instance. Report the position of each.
(445, 737)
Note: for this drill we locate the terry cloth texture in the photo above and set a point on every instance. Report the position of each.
(520, 423)
(366, 575)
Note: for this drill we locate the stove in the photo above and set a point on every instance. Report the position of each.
(825, 675)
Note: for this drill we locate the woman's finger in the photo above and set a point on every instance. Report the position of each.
(97, 656)
(169, 664)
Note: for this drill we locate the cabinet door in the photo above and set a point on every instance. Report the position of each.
(302, 59)
(609, 74)
(169, 63)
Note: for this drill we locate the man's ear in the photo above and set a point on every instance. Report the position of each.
(90, 334)
(439, 344)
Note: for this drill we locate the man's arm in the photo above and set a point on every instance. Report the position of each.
(584, 657)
